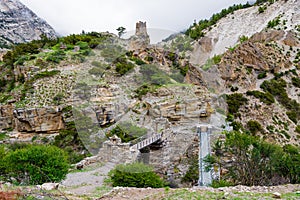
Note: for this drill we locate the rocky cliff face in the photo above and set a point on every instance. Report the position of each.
(35, 120)
(248, 48)
(245, 22)
(19, 24)
(164, 92)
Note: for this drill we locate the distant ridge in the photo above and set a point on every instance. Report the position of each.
(19, 24)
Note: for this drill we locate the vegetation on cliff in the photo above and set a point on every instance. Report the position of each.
(196, 31)
(249, 160)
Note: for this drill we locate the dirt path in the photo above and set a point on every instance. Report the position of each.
(87, 180)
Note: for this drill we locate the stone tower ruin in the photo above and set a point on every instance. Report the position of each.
(141, 39)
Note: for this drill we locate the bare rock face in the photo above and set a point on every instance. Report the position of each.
(238, 66)
(39, 120)
(291, 39)
(6, 117)
(268, 36)
(19, 24)
(287, 38)
(141, 39)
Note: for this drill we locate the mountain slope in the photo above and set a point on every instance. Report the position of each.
(256, 54)
(19, 24)
(244, 22)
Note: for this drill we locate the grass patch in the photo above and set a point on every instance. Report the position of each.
(46, 74)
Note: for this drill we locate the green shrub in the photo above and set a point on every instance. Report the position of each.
(266, 98)
(273, 23)
(297, 129)
(271, 128)
(135, 175)
(296, 82)
(136, 60)
(217, 59)
(152, 75)
(254, 126)
(5, 97)
(56, 56)
(243, 38)
(192, 175)
(277, 87)
(180, 43)
(196, 31)
(127, 131)
(144, 89)
(237, 126)
(292, 116)
(111, 52)
(262, 75)
(57, 99)
(221, 183)
(3, 136)
(149, 58)
(262, 163)
(262, 9)
(172, 56)
(69, 140)
(82, 45)
(234, 102)
(36, 164)
(286, 135)
(45, 74)
(123, 66)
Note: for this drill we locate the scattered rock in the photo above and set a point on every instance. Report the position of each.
(276, 195)
(49, 186)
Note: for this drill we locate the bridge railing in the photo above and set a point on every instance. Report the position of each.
(146, 142)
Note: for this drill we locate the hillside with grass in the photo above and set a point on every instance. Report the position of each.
(100, 108)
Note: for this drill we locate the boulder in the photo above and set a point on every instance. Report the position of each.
(49, 186)
(276, 195)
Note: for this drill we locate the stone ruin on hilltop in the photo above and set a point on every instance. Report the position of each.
(141, 39)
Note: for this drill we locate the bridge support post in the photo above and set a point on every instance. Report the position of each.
(204, 131)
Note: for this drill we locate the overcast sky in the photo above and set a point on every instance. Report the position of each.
(73, 16)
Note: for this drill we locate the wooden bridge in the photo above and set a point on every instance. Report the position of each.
(146, 142)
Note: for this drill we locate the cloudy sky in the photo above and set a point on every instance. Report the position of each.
(73, 16)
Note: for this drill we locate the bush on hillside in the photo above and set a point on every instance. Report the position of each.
(277, 87)
(126, 131)
(34, 164)
(254, 161)
(254, 126)
(196, 31)
(266, 98)
(135, 175)
(234, 102)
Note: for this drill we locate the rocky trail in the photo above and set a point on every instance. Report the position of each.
(87, 180)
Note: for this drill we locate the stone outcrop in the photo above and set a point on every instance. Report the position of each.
(246, 22)
(19, 24)
(268, 36)
(36, 120)
(242, 65)
(6, 117)
(141, 39)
